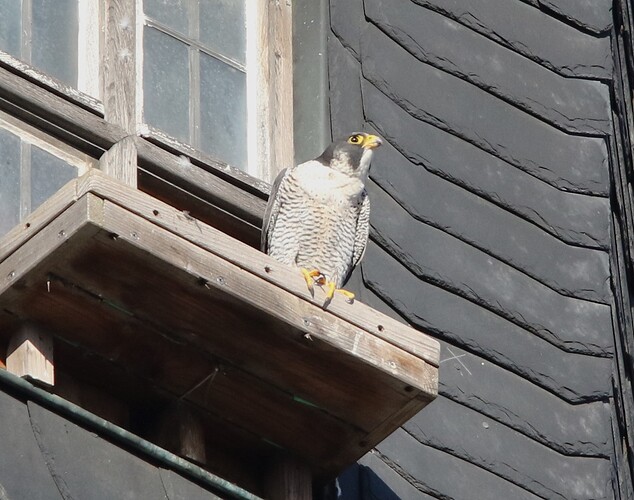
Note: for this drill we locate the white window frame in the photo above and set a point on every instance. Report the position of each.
(88, 90)
(269, 71)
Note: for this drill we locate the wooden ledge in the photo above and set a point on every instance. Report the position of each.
(212, 323)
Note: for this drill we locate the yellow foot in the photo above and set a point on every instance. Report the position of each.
(331, 288)
(312, 277)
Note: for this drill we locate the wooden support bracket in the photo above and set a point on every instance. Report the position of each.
(30, 354)
(120, 161)
(182, 432)
(289, 479)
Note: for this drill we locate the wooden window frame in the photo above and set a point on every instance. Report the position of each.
(109, 129)
(88, 90)
(118, 81)
(269, 70)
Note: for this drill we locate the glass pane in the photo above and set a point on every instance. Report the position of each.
(223, 27)
(223, 131)
(10, 26)
(55, 32)
(10, 183)
(166, 83)
(172, 13)
(48, 174)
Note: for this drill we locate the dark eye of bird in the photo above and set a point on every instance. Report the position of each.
(355, 139)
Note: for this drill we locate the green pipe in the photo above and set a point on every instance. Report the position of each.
(121, 436)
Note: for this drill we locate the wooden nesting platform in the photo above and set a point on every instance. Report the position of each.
(158, 302)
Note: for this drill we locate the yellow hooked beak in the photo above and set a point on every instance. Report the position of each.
(371, 142)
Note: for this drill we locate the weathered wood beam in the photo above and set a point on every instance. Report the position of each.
(30, 354)
(120, 86)
(119, 64)
(201, 182)
(39, 77)
(120, 161)
(132, 265)
(54, 114)
(274, 67)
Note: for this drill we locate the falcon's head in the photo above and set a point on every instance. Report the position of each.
(351, 155)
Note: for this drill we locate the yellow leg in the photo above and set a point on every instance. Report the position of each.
(331, 288)
(348, 295)
(330, 292)
(312, 277)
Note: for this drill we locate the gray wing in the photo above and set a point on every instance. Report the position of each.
(272, 209)
(361, 234)
(363, 230)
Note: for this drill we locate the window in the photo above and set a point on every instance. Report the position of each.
(208, 76)
(217, 76)
(208, 79)
(195, 74)
(32, 168)
(59, 38)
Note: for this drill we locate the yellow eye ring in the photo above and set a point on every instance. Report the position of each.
(355, 139)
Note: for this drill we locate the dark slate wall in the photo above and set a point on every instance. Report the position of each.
(491, 231)
(622, 255)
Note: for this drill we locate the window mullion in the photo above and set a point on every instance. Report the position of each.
(120, 84)
(27, 30)
(194, 75)
(270, 57)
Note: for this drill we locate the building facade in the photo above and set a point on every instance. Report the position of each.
(501, 216)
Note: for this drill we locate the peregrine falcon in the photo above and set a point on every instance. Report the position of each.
(318, 214)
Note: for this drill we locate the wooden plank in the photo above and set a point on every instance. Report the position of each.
(249, 289)
(141, 274)
(119, 64)
(46, 142)
(217, 323)
(313, 327)
(198, 209)
(92, 320)
(197, 181)
(233, 175)
(289, 479)
(263, 266)
(280, 48)
(57, 232)
(59, 88)
(120, 162)
(30, 354)
(38, 219)
(56, 115)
